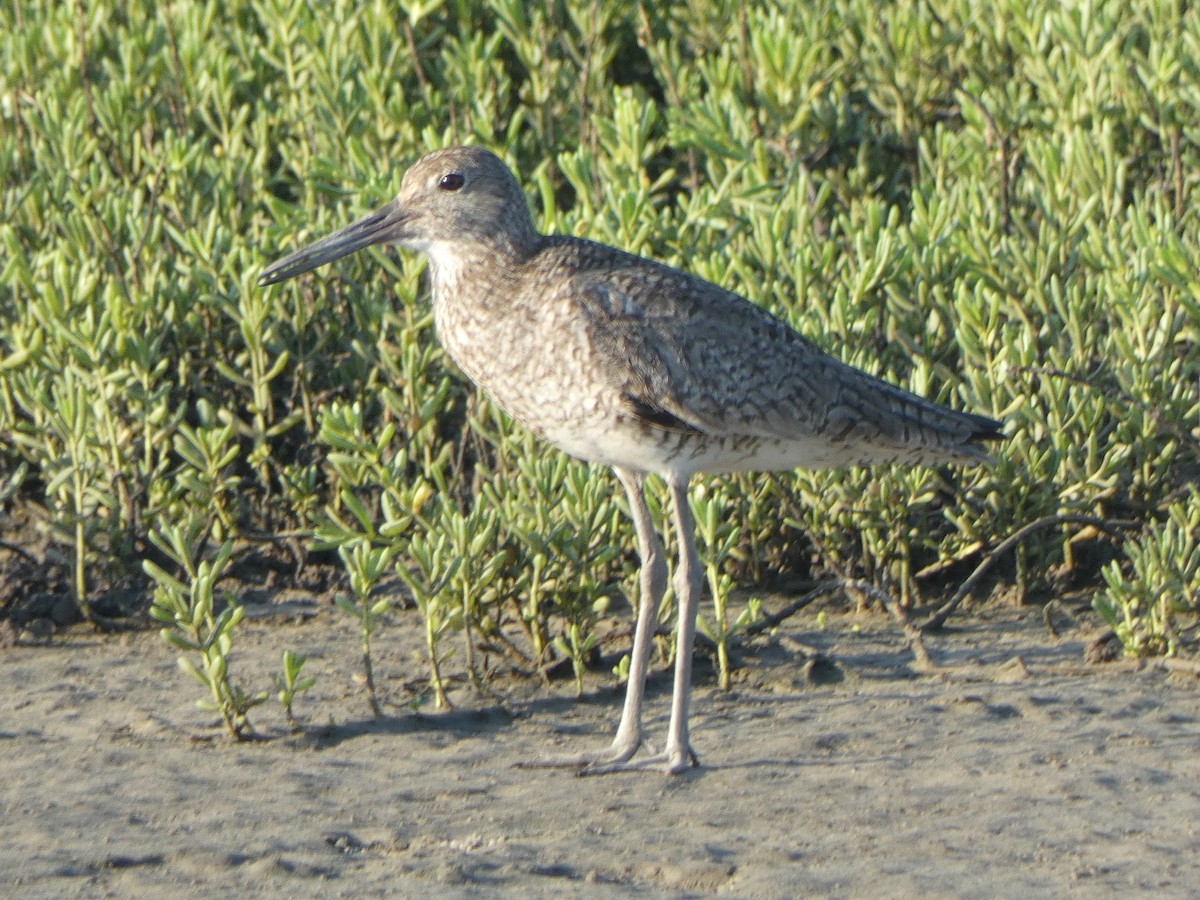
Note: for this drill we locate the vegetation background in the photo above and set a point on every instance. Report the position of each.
(993, 205)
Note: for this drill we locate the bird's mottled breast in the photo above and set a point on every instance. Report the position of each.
(506, 324)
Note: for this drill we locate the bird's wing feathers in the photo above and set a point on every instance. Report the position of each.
(687, 355)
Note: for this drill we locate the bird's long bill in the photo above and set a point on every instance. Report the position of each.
(385, 224)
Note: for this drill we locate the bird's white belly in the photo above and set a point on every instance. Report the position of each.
(634, 447)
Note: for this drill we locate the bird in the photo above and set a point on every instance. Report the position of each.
(623, 361)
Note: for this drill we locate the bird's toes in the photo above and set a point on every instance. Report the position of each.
(614, 755)
(671, 762)
(566, 761)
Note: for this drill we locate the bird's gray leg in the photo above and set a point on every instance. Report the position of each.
(678, 751)
(678, 754)
(652, 586)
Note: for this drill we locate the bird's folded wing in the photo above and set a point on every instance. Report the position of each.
(687, 355)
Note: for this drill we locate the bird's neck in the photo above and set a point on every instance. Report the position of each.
(457, 265)
(449, 264)
(472, 294)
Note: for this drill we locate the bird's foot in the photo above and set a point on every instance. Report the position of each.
(672, 762)
(618, 754)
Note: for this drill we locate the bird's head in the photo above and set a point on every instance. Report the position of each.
(460, 197)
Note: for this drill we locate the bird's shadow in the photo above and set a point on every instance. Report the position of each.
(451, 725)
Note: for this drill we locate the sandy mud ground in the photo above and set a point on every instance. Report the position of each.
(1016, 770)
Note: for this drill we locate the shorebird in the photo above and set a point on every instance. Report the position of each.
(624, 361)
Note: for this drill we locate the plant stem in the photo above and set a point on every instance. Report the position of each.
(370, 674)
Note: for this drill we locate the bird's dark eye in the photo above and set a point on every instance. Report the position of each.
(451, 182)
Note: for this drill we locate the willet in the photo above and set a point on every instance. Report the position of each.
(623, 361)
